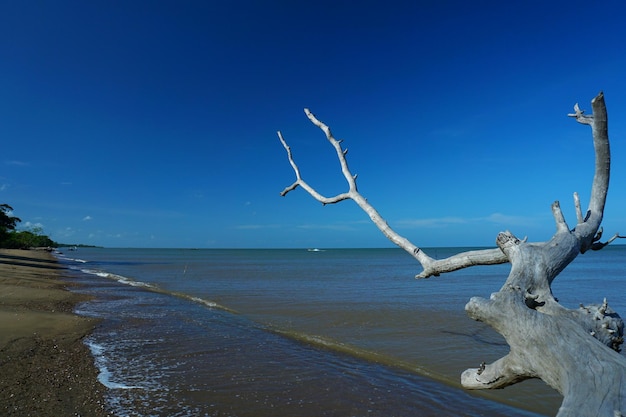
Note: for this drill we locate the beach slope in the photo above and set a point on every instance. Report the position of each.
(45, 369)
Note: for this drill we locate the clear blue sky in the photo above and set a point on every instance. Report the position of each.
(153, 124)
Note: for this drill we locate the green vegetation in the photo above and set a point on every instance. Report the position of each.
(25, 239)
(75, 245)
(7, 221)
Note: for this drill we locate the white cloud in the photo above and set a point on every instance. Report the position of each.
(30, 225)
(86, 218)
(494, 218)
(17, 163)
(65, 233)
(499, 218)
(256, 226)
(335, 226)
(350, 226)
(433, 222)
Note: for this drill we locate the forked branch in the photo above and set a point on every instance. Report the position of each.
(596, 245)
(587, 227)
(432, 267)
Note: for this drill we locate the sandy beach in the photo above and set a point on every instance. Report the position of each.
(45, 369)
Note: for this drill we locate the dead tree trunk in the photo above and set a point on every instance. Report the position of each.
(573, 351)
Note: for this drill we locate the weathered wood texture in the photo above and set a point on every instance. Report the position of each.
(573, 351)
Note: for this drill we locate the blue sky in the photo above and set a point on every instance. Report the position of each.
(153, 124)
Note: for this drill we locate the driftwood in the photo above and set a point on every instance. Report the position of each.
(573, 351)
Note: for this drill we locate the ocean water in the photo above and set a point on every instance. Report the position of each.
(344, 332)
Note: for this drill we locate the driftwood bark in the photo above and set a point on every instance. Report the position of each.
(573, 351)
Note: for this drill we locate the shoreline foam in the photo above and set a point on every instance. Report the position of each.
(45, 368)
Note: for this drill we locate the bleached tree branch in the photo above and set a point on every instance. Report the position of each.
(586, 230)
(300, 182)
(579, 213)
(599, 245)
(431, 267)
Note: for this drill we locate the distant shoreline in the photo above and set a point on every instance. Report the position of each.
(45, 368)
(322, 248)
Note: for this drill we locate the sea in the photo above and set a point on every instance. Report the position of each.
(306, 333)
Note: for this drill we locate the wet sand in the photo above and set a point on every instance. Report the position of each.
(45, 369)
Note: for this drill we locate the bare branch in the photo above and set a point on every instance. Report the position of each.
(561, 225)
(579, 213)
(300, 182)
(431, 266)
(599, 245)
(502, 373)
(341, 154)
(463, 260)
(586, 230)
(580, 116)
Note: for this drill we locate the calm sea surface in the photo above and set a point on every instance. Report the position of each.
(345, 332)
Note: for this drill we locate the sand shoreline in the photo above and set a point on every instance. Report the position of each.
(45, 368)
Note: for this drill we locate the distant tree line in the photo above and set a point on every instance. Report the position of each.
(11, 238)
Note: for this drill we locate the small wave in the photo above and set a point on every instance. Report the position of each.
(202, 301)
(66, 258)
(104, 375)
(119, 278)
(364, 354)
(154, 288)
(207, 303)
